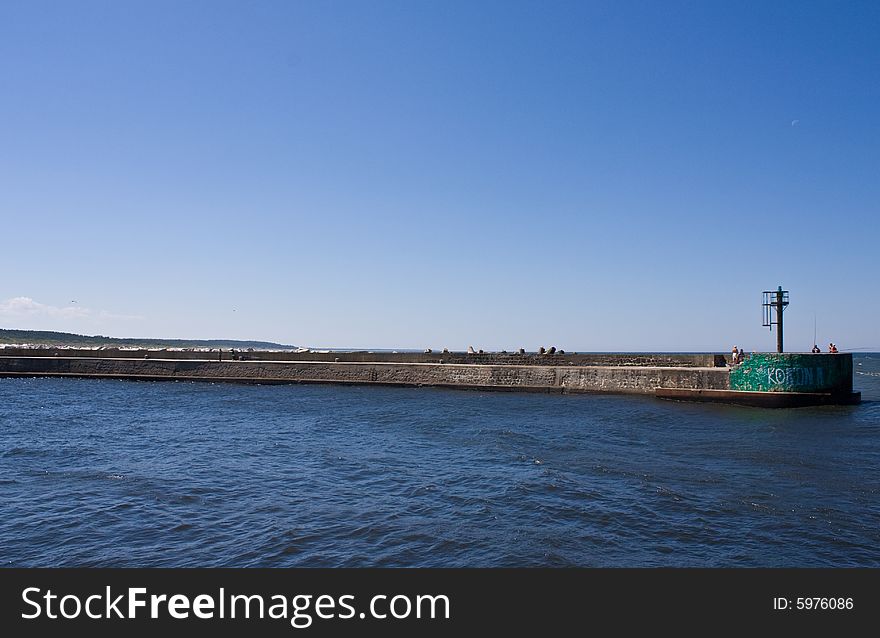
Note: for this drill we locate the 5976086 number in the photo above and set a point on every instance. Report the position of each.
(824, 603)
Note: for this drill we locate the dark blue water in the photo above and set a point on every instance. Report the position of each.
(118, 473)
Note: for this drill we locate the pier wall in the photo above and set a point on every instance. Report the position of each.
(764, 379)
(558, 378)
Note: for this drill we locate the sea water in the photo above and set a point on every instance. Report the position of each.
(122, 473)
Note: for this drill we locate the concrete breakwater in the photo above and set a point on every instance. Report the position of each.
(772, 380)
(546, 378)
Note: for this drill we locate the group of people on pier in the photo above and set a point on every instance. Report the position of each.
(737, 356)
(831, 348)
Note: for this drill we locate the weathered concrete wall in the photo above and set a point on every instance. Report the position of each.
(640, 380)
(492, 358)
(627, 379)
(790, 372)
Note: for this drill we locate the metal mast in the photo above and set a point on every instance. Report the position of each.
(777, 299)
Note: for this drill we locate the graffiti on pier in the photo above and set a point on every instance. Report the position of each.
(783, 372)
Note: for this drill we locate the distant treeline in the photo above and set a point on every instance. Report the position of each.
(48, 338)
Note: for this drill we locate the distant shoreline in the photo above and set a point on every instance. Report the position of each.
(48, 338)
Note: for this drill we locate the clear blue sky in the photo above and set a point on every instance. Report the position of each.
(590, 175)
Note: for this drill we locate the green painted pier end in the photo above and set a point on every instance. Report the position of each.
(781, 380)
